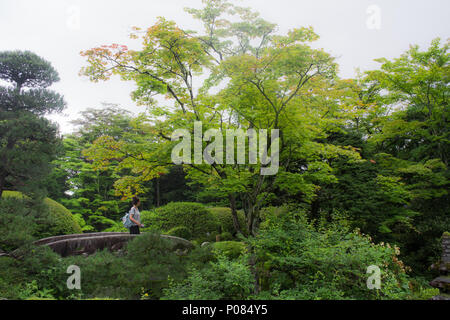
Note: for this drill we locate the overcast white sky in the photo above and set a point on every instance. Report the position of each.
(59, 29)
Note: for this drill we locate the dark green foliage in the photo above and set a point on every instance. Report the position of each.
(26, 69)
(375, 203)
(193, 216)
(17, 224)
(11, 278)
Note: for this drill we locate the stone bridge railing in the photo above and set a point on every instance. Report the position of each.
(88, 243)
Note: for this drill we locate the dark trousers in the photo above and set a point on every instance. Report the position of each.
(134, 230)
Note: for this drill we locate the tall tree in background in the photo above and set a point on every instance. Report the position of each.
(28, 141)
(269, 82)
(413, 141)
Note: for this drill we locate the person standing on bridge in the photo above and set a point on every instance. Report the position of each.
(135, 216)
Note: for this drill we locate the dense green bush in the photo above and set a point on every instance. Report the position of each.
(181, 231)
(223, 279)
(231, 249)
(194, 216)
(10, 278)
(37, 273)
(61, 220)
(225, 219)
(297, 261)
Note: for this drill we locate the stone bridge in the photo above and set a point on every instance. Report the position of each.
(88, 243)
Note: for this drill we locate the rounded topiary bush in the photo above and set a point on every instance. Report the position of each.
(63, 222)
(53, 219)
(181, 231)
(194, 216)
(225, 219)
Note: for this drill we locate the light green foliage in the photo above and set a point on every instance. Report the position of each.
(230, 249)
(269, 81)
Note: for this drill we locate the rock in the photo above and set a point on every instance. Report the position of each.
(204, 244)
(443, 281)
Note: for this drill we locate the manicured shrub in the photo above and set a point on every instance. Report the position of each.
(194, 216)
(181, 231)
(61, 220)
(231, 249)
